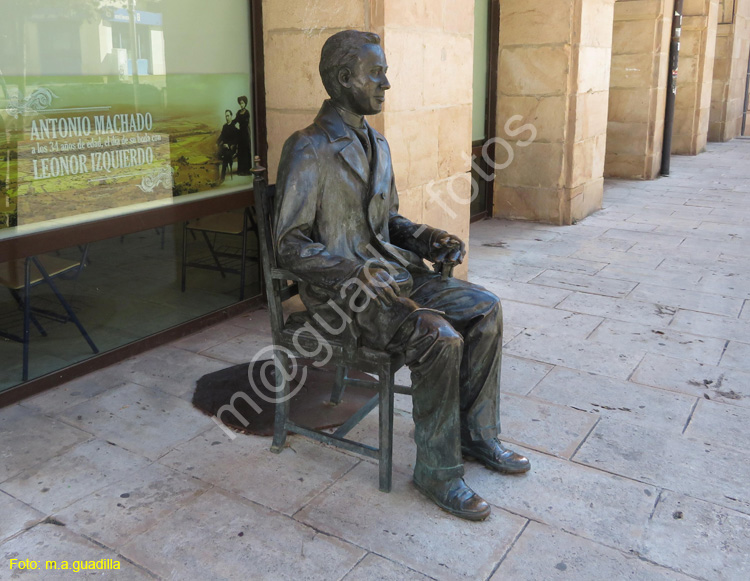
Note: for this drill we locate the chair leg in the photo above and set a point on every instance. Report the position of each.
(243, 258)
(71, 315)
(34, 320)
(184, 254)
(338, 388)
(26, 317)
(386, 429)
(212, 250)
(281, 359)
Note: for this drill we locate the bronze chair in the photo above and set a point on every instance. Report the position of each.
(345, 355)
(227, 223)
(20, 276)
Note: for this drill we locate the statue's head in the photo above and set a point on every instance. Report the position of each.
(353, 68)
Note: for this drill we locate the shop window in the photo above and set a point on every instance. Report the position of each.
(122, 119)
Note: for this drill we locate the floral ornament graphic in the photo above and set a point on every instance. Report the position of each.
(39, 100)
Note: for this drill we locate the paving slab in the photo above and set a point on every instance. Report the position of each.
(49, 542)
(736, 356)
(703, 468)
(569, 496)
(618, 257)
(536, 424)
(69, 476)
(519, 375)
(74, 392)
(241, 349)
(489, 268)
(543, 552)
(715, 421)
(585, 355)
(619, 309)
(405, 527)
(211, 336)
(221, 536)
(664, 341)
(686, 299)
(612, 398)
(174, 371)
(146, 421)
(560, 263)
(679, 280)
(118, 512)
(526, 293)
(698, 538)
(245, 466)
(525, 316)
(711, 325)
(17, 516)
(706, 381)
(585, 283)
(28, 438)
(374, 567)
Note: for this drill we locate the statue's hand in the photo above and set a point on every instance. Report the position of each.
(381, 285)
(449, 249)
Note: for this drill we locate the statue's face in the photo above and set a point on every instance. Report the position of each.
(365, 86)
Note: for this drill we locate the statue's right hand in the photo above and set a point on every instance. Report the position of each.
(381, 284)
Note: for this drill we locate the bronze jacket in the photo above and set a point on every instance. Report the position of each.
(334, 213)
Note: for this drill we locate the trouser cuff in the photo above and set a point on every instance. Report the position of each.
(487, 433)
(423, 472)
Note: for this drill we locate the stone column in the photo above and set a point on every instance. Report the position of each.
(638, 88)
(695, 76)
(730, 70)
(427, 119)
(554, 74)
(293, 34)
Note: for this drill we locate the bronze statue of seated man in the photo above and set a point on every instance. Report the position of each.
(338, 222)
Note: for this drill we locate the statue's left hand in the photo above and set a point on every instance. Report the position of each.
(448, 248)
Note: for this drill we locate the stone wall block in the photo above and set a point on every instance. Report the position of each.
(448, 72)
(534, 70)
(547, 114)
(454, 140)
(313, 16)
(405, 53)
(591, 115)
(538, 165)
(535, 22)
(412, 14)
(458, 17)
(593, 69)
(414, 140)
(536, 204)
(292, 79)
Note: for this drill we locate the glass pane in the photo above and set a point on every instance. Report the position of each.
(111, 106)
(481, 63)
(129, 288)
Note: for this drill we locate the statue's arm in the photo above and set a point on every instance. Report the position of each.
(419, 238)
(298, 191)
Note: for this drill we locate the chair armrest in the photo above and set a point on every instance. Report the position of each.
(281, 274)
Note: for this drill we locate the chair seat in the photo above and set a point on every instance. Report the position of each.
(227, 223)
(12, 273)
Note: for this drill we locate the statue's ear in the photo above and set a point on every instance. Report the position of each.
(345, 77)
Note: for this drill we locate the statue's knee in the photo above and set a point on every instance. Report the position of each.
(448, 338)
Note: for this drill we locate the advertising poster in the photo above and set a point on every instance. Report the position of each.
(109, 105)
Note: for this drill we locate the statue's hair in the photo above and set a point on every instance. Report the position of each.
(341, 51)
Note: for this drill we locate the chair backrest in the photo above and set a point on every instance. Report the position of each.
(275, 280)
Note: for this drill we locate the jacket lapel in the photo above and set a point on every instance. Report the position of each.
(354, 156)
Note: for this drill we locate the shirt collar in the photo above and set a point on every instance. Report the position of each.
(351, 119)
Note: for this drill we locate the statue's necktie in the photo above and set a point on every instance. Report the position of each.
(364, 139)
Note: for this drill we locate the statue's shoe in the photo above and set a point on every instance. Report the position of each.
(495, 456)
(456, 497)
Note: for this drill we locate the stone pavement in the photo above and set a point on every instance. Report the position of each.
(626, 380)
